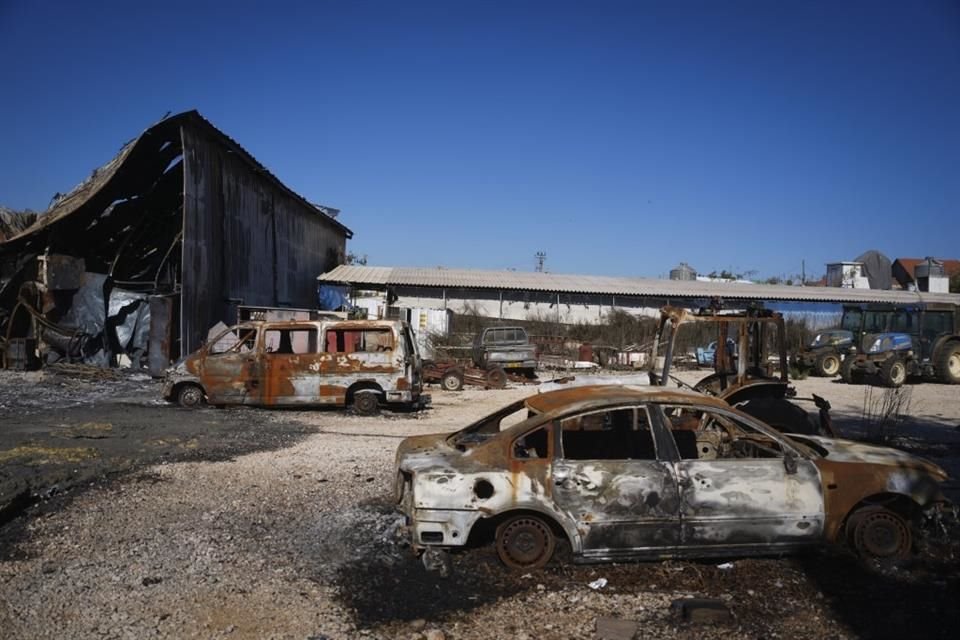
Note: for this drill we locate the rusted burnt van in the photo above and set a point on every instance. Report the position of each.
(621, 472)
(359, 363)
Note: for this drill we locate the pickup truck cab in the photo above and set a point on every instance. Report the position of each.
(507, 347)
(358, 363)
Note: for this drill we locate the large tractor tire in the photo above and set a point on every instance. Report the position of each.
(948, 363)
(850, 374)
(893, 372)
(828, 365)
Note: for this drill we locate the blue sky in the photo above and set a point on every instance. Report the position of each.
(619, 137)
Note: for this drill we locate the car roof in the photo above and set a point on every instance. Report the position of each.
(598, 396)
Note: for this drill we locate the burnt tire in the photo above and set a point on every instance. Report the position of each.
(782, 415)
(366, 403)
(893, 372)
(877, 533)
(525, 542)
(496, 378)
(452, 381)
(191, 396)
(948, 363)
(828, 365)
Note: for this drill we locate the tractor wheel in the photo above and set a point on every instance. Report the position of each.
(849, 373)
(496, 378)
(828, 365)
(893, 372)
(366, 403)
(452, 380)
(948, 364)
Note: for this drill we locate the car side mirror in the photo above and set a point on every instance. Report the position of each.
(790, 463)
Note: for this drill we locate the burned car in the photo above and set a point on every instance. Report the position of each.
(631, 473)
(356, 363)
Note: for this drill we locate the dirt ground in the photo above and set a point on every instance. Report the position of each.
(127, 517)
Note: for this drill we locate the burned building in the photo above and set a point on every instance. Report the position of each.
(155, 247)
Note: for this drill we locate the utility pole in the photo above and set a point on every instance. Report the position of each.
(541, 258)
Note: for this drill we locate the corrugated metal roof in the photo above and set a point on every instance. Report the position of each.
(606, 285)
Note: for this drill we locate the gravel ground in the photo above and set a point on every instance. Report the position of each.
(299, 540)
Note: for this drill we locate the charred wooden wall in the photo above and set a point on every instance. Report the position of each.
(245, 241)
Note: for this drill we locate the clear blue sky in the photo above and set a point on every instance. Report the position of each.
(619, 137)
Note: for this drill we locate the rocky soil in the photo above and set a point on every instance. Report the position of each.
(279, 524)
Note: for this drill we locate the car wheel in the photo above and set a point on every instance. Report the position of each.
(190, 396)
(525, 542)
(828, 365)
(496, 378)
(452, 381)
(948, 364)
(880, 534)
(366, 403)
(893, 372)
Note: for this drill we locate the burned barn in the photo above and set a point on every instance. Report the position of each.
(155, 247)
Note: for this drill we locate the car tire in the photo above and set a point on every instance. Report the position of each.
(452, 381)
(893, 372)
(948, 364)
(191, 396)
(525, 542)
(828, 365)
(877, 533)
(366, 403)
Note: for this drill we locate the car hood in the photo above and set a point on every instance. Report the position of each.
(839, 450)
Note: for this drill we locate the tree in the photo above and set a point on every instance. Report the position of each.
(356, 259)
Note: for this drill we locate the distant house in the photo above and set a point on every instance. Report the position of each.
(905, 271)
(847, 275)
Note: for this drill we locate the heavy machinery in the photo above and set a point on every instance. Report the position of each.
(754, 378)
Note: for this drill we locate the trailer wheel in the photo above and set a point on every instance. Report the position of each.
(893, 373)
(496, 378)
(948, 364)
(828, 365)
(452, 380)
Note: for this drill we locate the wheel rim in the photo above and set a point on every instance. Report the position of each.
(450, 383)
(953, 364)
(831, 365)
(898, 373)
(882, 534)
(366, 402)
(524, 543)
(191, 396)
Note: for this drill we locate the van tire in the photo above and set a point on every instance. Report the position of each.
(191, 396)
(948, 364)
(366, 403)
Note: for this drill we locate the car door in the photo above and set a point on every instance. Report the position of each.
(608, 478)
(231, 367)
(292, 365)
(743, 487)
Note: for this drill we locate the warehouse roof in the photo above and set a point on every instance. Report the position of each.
(607, 285)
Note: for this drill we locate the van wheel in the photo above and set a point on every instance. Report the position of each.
(893, 372)
(948, 364)
(828, 365)
(190, 396)
(366, 403)
(525, 542)
(452, 381)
